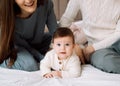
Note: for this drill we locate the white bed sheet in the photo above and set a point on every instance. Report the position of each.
(90, 77)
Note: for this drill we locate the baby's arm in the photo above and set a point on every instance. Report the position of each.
(45, 65)
(56, 74)
(73, 68)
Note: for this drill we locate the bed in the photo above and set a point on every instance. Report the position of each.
(90, 76)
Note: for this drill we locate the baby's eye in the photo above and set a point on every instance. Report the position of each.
(58, 44)
(67, 44)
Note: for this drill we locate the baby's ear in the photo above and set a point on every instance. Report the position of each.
(52, 45)
(73, 45)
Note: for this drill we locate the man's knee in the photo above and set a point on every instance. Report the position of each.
(106, 60)
(112, 64)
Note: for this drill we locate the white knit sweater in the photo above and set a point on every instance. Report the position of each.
(70, 67)
(100, 20)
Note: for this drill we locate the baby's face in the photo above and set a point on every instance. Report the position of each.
(63, 46)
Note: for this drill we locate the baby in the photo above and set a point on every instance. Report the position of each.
(61, 61)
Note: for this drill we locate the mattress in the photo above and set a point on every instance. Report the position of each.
(90, 76)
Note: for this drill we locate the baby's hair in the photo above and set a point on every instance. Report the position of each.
(63, 32)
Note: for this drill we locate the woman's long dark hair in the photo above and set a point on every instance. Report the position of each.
(7, 21)
(41, 2)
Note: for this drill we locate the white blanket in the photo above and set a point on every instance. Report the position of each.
(90, 77)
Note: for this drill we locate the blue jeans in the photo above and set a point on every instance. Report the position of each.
(25, 60)
(107, 59)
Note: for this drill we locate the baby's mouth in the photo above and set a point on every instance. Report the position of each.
(63, 52)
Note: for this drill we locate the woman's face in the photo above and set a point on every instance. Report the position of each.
(27, 7)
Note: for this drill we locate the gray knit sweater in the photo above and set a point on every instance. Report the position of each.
(30, 31)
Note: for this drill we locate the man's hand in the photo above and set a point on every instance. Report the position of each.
(87, 52)
(79, 52)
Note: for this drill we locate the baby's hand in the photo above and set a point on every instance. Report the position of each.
(48, 75)
(56, 74)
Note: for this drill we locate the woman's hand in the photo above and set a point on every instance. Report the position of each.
(87, 52)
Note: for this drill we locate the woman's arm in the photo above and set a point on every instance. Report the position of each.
(51, 18)
(23, 43)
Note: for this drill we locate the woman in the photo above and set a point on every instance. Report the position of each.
(23, 41)
(101, 25)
